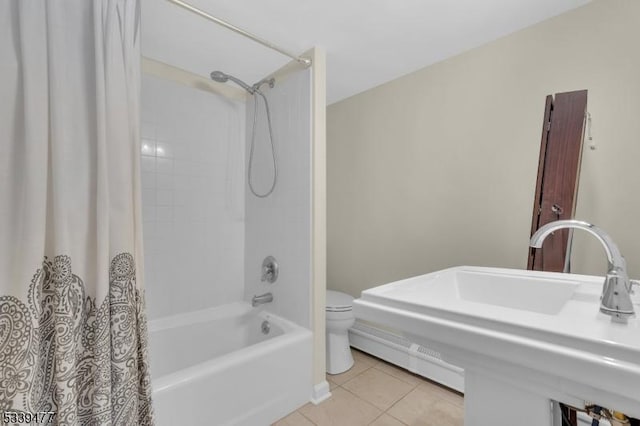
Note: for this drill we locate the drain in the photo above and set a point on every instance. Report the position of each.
(266, 327)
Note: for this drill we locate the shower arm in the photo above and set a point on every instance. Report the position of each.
(270, 81)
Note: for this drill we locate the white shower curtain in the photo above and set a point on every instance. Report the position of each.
(73, 338)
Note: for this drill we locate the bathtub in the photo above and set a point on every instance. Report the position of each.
(218, 367)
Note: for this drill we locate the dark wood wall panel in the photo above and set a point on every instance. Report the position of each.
(556, 188)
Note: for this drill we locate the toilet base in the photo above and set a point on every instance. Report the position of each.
(339, 358)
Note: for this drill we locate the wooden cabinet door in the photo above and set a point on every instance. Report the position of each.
(558, 175)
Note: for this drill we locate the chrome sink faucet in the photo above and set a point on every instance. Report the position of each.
(261, 299)
(616, 293)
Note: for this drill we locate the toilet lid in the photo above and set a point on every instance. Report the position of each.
(338, 301)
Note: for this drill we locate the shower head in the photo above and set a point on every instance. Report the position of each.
(221, 77)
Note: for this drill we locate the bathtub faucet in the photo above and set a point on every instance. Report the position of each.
(261, 299)
(615, 300)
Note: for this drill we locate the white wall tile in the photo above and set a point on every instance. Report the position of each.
(148, 213)
(280, 225)
(148, 147)
(164, 149)
(164, 197)
(149, 230)
(181, 246)
(198, 216)
(164, 165)
(182, 151)
(147, 130)
(148, 198)
(148, 164)
(148, 180)
(182, 167)
(164, 213)
(164, 181)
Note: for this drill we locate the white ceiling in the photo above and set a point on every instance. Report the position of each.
(368, 42)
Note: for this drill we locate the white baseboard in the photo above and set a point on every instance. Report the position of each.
(398, 350)
(320, 392)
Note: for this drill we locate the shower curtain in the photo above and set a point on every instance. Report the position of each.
(73, 338)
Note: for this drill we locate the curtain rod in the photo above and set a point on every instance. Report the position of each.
(304, 61)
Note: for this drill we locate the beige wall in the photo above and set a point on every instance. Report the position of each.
(438, 168)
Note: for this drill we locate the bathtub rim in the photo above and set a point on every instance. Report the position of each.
(217, 312)
(292, 333)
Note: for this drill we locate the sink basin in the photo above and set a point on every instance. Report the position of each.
(544, 295)
(490, 291)
(528, 336)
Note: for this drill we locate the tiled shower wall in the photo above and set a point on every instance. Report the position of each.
(193, 197)
(280, 225)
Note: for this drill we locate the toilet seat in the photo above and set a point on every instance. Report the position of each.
(338, 301)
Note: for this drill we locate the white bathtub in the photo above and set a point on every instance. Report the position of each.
(216, 367)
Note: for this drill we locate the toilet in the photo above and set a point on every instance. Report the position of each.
(340, 318)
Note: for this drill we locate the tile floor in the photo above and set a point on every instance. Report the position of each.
(374, 392)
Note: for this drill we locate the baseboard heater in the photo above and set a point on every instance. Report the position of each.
(398, 350)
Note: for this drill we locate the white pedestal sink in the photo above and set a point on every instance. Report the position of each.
(524, 338)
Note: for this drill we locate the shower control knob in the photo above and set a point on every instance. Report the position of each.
(269, 269)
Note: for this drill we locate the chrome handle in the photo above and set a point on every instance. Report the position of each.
(270, 270)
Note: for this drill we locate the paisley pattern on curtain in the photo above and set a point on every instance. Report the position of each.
(73, 337)
(60, 352)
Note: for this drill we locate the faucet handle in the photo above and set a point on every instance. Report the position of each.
(269, 269)
(616, 296)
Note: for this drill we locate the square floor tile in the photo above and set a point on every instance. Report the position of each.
(364, 357)
(359, 366)
(442, 392)
(294, 419)
(387, 420)
(331, 382)
(342, 409)
(400, 373)
(442, 413)
(378, 388)
(414, 407)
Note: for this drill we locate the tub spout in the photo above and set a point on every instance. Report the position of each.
(261, 299)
